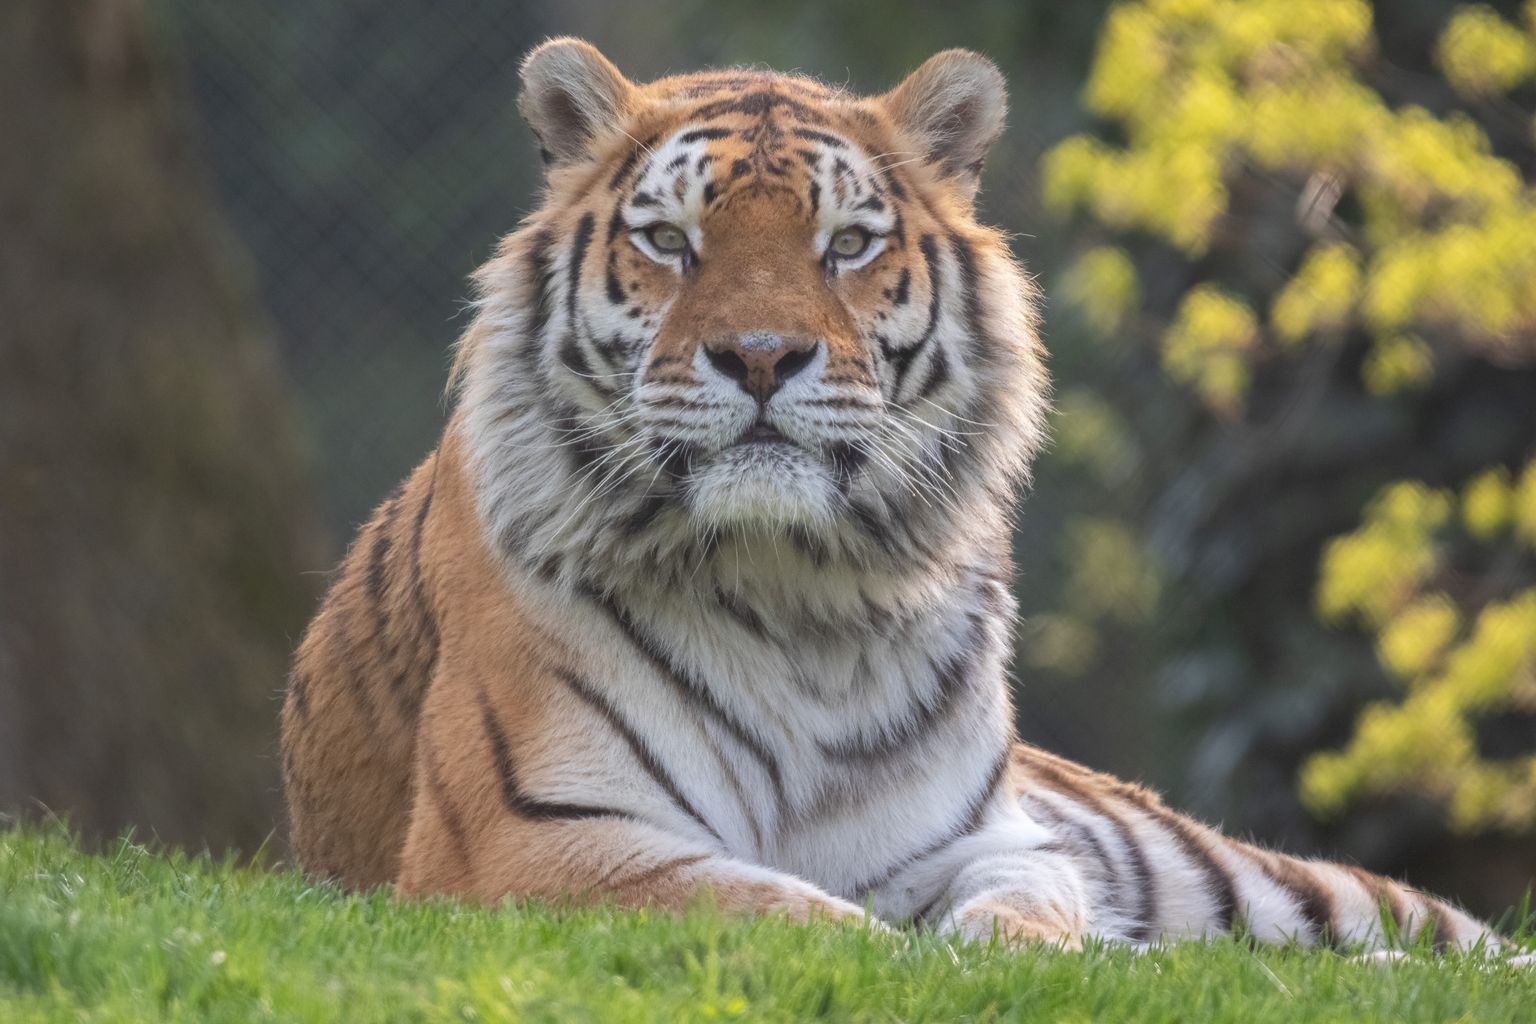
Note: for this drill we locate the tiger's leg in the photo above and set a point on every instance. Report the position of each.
(479, 830)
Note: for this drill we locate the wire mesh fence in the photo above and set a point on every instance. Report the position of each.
(367, 156)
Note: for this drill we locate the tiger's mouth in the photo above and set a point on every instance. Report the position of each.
(762, 432)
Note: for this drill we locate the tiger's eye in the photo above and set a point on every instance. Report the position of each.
(668, 238)
(850, 242)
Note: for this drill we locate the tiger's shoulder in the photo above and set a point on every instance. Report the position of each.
(418, 579)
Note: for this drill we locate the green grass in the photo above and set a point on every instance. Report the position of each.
(137, 935)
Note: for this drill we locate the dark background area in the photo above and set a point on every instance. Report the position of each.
(233, 256)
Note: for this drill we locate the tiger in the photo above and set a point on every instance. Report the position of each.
(705, 593)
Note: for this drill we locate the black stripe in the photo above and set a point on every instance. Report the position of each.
(676, 458)
(578, 257)
(541, 273)
(582, 451)
(366, 705)
(655, 871)
(967, 824)
(420, 525)
(630, 159)
(874, 526)
(1395, 906)
(1146, 911)
(610, 350)
(811, 135)
(950, 680)
(1312, 899)
(575, 360)
(609, 353)
(705, 133)
(1443, 936)
(958, 455)
(384, 650)
(808, 544)
(970, 284)
(690, 688)
(645, 516)
(978, 804)
(512, 795)
(615, 289)
(378, 558)
(1223, 889)
(637, 746)
(1079, 832)
(616, 224)
(742, 613)
(623, 862)
(358, 682)
(622, 171)
(756, 104)
(427, 638)
(548, 568)
(903, 287)
(738, 790)
(1385, 895)
(937, 375)
(901, 359)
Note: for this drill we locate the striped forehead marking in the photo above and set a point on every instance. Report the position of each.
(814, 165)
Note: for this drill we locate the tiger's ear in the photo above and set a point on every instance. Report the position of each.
(571, 96)
(952, 108)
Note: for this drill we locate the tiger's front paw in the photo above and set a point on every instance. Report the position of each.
(771, 893)
(803, 903)
(990, 920)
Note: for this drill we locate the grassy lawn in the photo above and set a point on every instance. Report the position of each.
(135, 935)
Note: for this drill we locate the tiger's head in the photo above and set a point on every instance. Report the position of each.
(752, 312)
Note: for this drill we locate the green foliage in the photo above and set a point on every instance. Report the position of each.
(1483, 54)
(1210, 343)
(1417, 244)
(134, 935)
(1396, 573)
(1446, 240)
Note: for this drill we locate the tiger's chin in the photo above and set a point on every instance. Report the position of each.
(773, 486)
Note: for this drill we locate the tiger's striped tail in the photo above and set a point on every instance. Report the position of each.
(1157, 875)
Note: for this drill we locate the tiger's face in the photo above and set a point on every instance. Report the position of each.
(752, 305)
(768, 250)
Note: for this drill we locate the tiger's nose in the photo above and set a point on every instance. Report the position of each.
(759, 361)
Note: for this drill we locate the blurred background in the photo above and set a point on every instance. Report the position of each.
(1280, 562)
